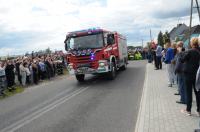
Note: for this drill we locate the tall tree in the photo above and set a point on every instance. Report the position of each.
(160, 39)
(166, 37)
(48, 50)
(177, 39)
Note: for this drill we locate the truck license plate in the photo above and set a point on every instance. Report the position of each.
(83, 69)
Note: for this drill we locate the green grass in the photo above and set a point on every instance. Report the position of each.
(65, 71)
(19, 89)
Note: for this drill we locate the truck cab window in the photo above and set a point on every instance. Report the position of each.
(110, 39)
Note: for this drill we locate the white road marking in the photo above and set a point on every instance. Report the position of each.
(45, 102)
(142, 99)
(42, 111)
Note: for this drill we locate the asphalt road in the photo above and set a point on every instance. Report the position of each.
(63, 105)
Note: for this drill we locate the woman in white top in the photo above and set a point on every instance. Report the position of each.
(2, 78)
(23, 71)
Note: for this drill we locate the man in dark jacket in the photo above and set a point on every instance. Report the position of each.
(191, 59)
(18, 72)
(10, 75)
(179, 72)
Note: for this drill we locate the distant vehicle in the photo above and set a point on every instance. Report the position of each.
(95, 51)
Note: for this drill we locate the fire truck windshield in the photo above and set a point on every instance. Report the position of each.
(85, 42)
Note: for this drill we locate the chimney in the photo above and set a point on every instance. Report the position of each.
(178, 25)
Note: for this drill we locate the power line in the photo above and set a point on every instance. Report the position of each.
(190, 28)
(150, 36)
(198, 9)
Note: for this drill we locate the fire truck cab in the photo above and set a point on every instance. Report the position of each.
(95, 51)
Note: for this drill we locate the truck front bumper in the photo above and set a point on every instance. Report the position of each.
(87, 70)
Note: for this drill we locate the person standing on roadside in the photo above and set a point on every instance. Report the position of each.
(18, 62)
(2, 78)
(42, 68)
(154, 57)
(191, 59)
(168, 58)
(10, 75)
(23, 72)
(174, 47)
(28, 73)
(179, 72)
(149, 56)
(35, 72)
(158, 57)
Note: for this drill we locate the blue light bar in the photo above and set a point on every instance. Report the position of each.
(87, 30)
(92, 56)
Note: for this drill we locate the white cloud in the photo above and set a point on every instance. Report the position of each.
(52, 19)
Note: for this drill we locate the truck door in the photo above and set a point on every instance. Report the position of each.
(112, 41)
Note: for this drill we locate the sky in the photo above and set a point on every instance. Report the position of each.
(32, 25)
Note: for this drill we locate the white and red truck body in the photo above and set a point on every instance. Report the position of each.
(108, 54)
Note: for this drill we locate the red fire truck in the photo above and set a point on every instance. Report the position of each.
(95, 51)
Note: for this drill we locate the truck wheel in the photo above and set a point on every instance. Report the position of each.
(112, 73)
(80, 77)
(124, 66)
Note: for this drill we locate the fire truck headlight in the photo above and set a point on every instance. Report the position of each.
(70, 66)
(101, 64)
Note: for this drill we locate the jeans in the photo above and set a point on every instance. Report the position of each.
(158, 62)
(170, 72)
(181, 87)
(190, 84)
(175, 79)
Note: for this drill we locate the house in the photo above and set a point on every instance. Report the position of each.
(177, 31)
(195, 32)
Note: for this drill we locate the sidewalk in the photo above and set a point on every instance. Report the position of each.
(159, 111)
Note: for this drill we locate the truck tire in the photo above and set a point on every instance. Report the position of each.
(80, 77)
(112, 73)
(124, 66)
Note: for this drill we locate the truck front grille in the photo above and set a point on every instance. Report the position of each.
(85, 61)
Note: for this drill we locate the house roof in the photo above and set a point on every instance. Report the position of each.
(194, 30)
(186, 42)
(178, 30)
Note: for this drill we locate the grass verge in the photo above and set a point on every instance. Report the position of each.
(19, 89)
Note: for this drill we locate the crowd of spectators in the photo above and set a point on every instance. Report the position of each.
(138, 54)
(183, 69)
(29, 70)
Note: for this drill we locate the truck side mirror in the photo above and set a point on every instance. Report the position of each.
(66, 43)
(110, 39)
(66, 48)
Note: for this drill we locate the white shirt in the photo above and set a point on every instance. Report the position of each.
(2, 71)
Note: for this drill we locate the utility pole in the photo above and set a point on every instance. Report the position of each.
(150, 36)
(198, 8)
(190, 28)
(142, 43)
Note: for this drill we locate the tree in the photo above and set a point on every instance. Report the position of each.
(48, 50)
(160, 39)
(166, 37)
(177, 39)
(131, 47)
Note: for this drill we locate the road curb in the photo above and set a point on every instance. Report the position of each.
(140, 119)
